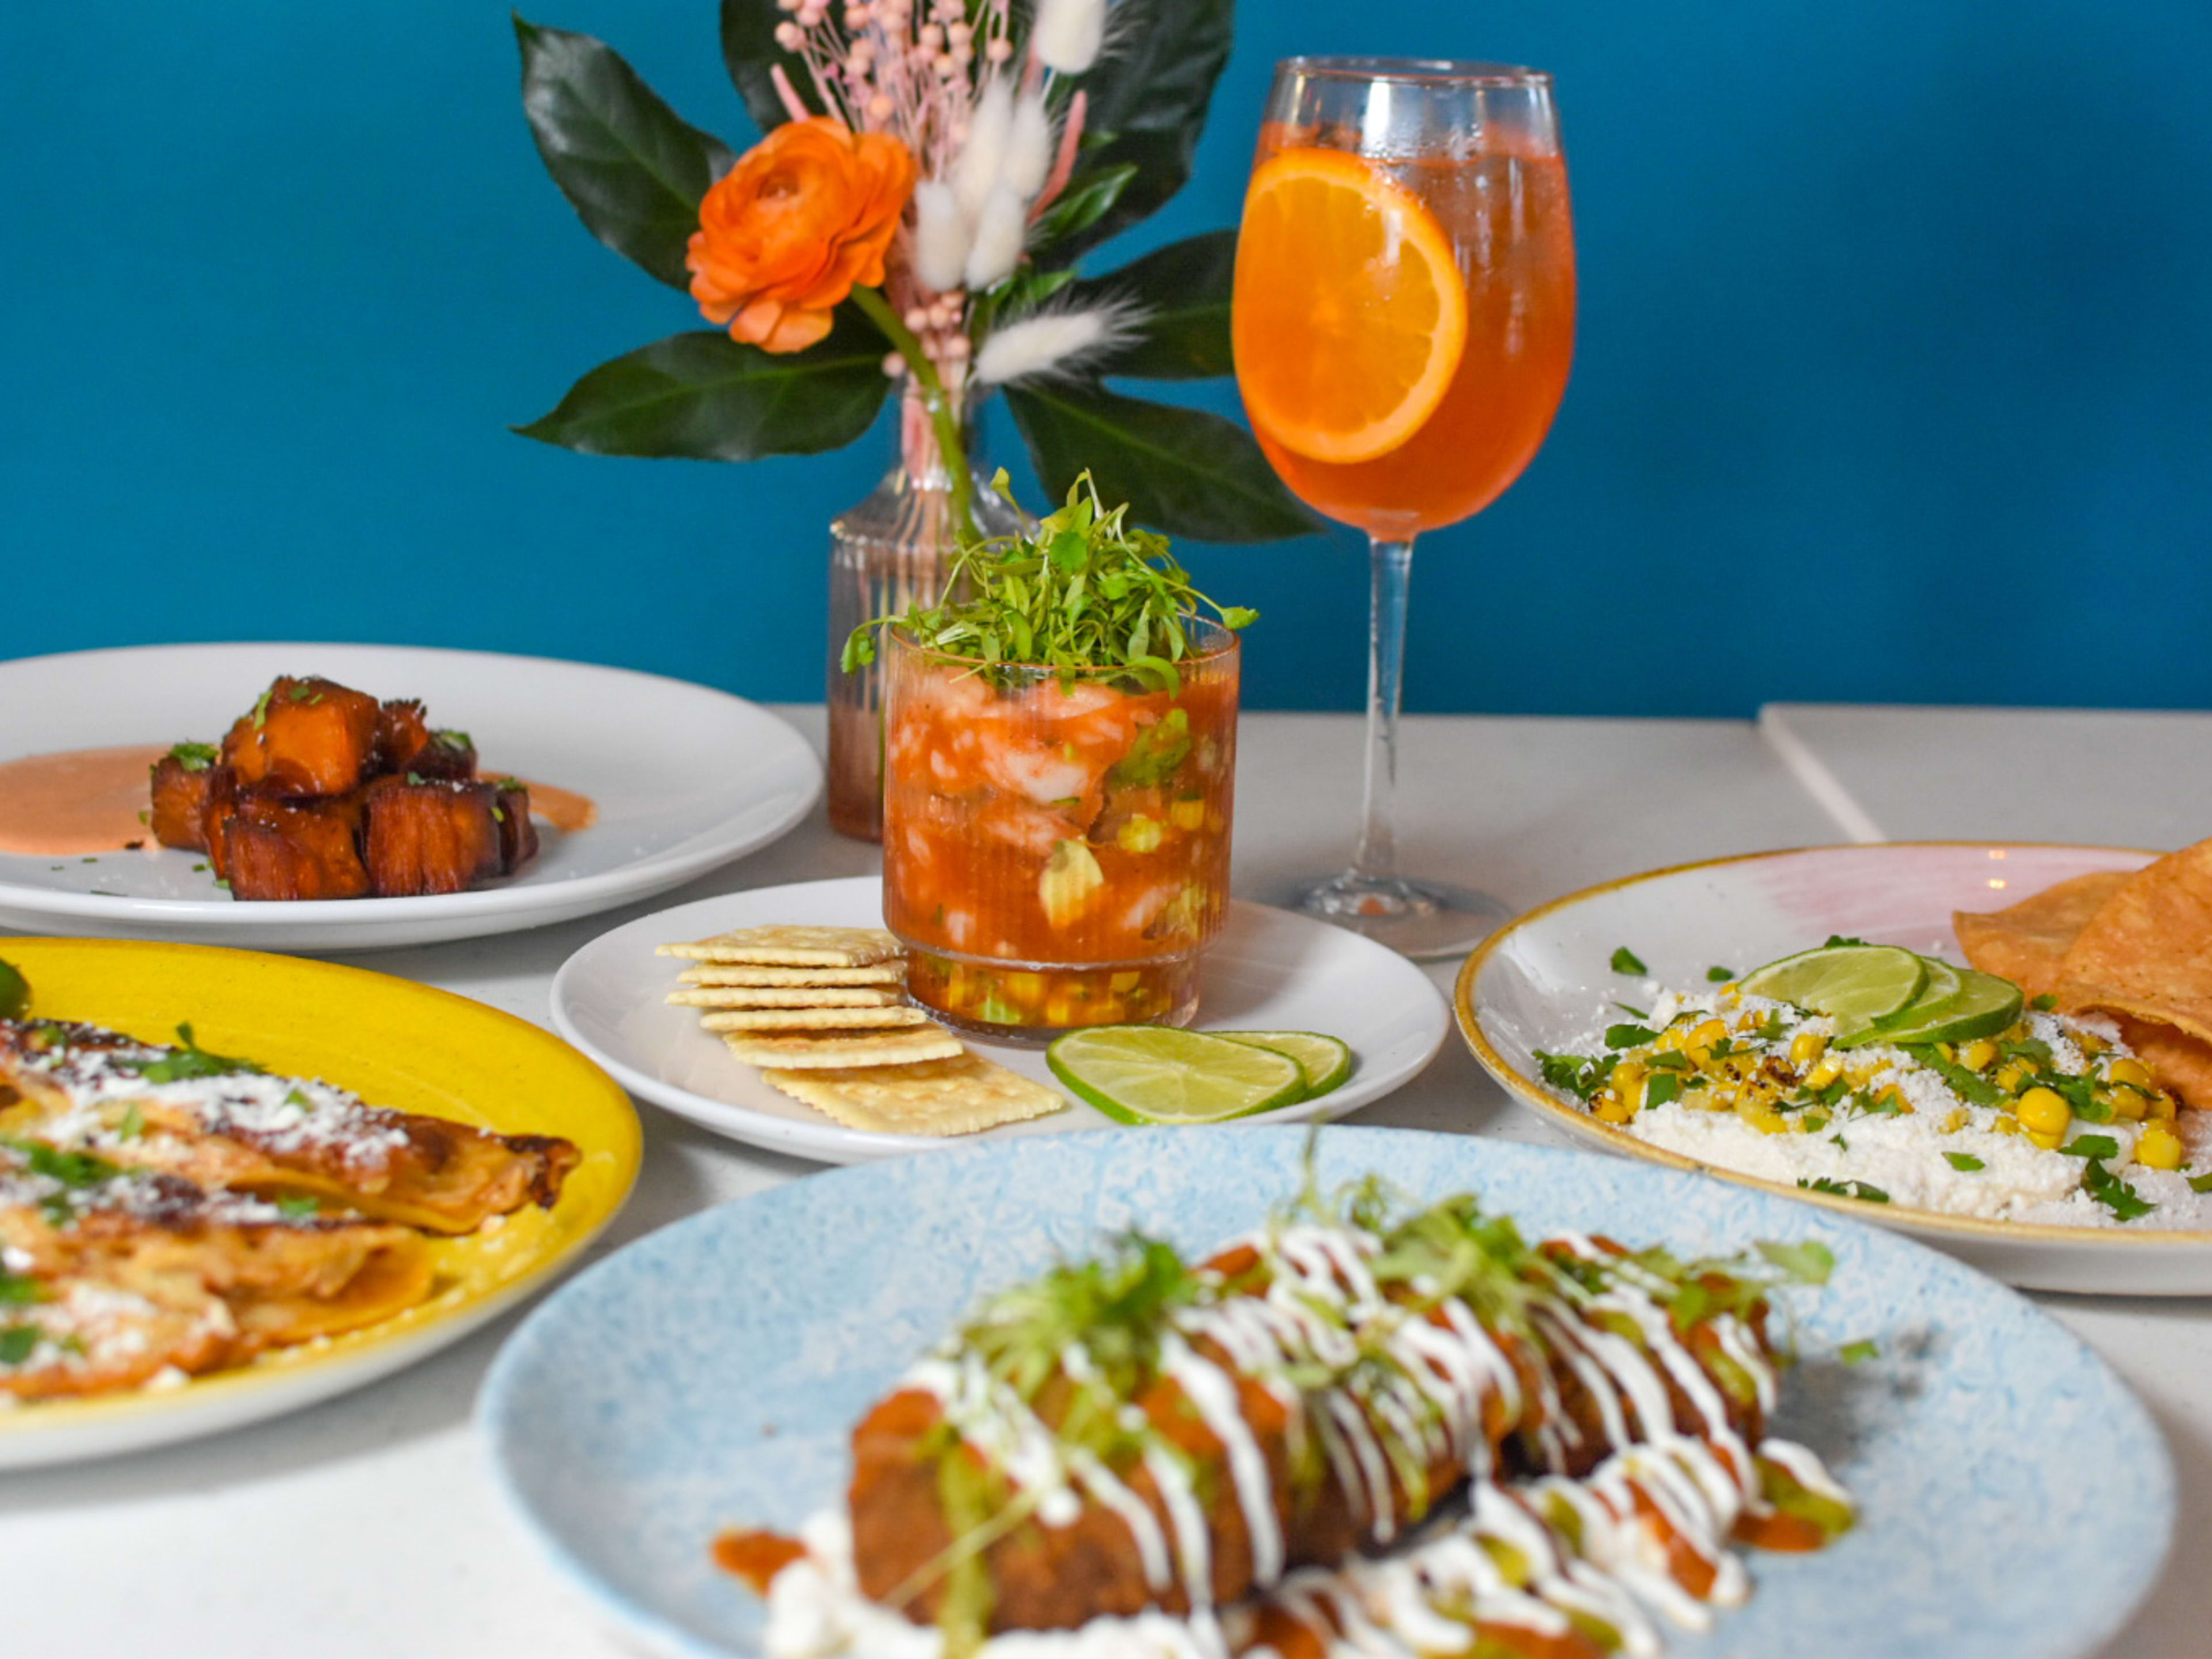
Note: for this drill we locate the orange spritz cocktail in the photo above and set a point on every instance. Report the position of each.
(1403, 320)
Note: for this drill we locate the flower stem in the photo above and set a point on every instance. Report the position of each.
(941, 415)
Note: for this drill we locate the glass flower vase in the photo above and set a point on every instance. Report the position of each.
(889, 551)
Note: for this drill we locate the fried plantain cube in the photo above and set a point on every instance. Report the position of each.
(517, 835)
(402, 729)
(181, 796)
(304, 737)
(279, 848)
(430, 836)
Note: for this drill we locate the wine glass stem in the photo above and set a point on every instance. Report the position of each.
(1393, 562)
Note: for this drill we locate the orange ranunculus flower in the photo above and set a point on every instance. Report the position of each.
(784, 236)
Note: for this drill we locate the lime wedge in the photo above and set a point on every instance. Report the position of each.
(1157, 1074)
(1325, 1061)
(1854, 984)
(1983, 1005)
(14, 993)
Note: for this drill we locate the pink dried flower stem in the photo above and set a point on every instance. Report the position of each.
(1063, 166)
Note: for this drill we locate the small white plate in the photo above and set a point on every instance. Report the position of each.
(685, 779)
(1539, 982)
(1269, 971)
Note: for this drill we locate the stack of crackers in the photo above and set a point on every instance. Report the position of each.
(823, 1012)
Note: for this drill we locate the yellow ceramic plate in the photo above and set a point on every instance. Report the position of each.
(393, 1043)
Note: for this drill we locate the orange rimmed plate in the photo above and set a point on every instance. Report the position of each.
(1544, 981)
(394, 1042)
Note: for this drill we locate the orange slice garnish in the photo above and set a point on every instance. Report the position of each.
(1350, 314)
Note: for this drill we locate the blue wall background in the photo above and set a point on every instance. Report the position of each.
(1894, 378)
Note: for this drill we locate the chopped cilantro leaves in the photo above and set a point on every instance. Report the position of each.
(1633, 1013)
(1964, 1161)
(1970, 1086)
(18, 1289)
(194, 756)
(1660, 1088)
(1858, 1352)
(16, 1342)
(1628, 1036)
(1572, 1072)
(2091, 1146)
(1858, 1190)
(187, 1061)
(1814, 1123)
(260, 716)
(1836, 939)
(1625, 961)
(2114, 1194)
(2200, 1183)
(133, 1124)
(1809, 1262)
(70, 1169)
(1673, 1060)
(1719, 976)
(294, 1209)
(2044, 1004)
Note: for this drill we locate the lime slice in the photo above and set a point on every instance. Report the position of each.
(1325, 1061)
(14, 993)
(1157, 1074)
(1983, 1005)
(1854, 984)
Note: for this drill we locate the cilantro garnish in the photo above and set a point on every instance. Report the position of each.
(1628, 1036)
(1964, 1161)
(1970, 1086)
(1835, 939)
(133, 1124)
(2201, 1183)
(456, 741)
(2114, 1194)
(17, 1290)
(1572, 1072)
(1660, 1088)
(194, 756)
(1719, 976)
(295, 1208)
(1809, 1262)
(1625, 961)
(16, 1342)
(1858, 1352)
(2044, 1004)
(70, 1169)
(1637, 1014)
(2091, 1146)
(187, 1061)
(1085, 590)
(260, 716)
(1858, 1190)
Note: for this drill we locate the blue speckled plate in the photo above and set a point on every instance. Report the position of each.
(709, 1374)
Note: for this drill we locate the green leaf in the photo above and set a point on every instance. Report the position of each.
(634, 171)
(1182, 471)
(1865, 1193)
(1858, 1352)
(1625, 961)
(1089, 196)
(1628, 1036)
(1660, 1089)
(2114, 1194)
(2091, 1146)
(750, 52)
(1967, 1162)
(1162, 60)
(1808, 1262)
(1184, 288)
(1151, 166)
(706, 397)
(1719, 976)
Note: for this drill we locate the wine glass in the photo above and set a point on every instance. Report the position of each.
(1403, 322)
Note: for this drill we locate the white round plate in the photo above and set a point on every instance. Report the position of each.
(685, 779)
(1541, 982)
(1269, 971)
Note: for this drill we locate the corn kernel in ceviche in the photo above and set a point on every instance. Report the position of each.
(2050, 1120)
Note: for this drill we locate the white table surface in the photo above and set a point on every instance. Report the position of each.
(367, 1527)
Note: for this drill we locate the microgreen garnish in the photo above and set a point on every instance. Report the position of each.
(1964, 1161)
(186, 1061)
(1858, 1190)
(1858, 1352)
(1085, 590)
(1625, 961)
(1719, 976)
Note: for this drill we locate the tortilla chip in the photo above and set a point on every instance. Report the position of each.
(2147, 950)
(2181, 1063)
(794, 947)
(955, 1096)
(2026, 943)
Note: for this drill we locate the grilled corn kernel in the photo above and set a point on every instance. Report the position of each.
(1669, 1040)
(2045, 1112)
(2162, 1106)
(1976, 1056)
(2049, 1143)
(1187, 814)
(2011, 1079)
(2090, 1043)
(1807, 1047)
(1770, 1123)
(2006, 1124)
(2129, 1103)
(1608, 1108)
(1892, 1097)
(1824, 1074)
(1709, 1033)
(1628, 1084)
(1949, 1050)
(1953, 1121)
(2132, 1072)
(2159, 1148)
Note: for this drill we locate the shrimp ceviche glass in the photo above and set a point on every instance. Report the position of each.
(1058, 770)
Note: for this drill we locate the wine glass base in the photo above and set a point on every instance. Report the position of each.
(1418, 918)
